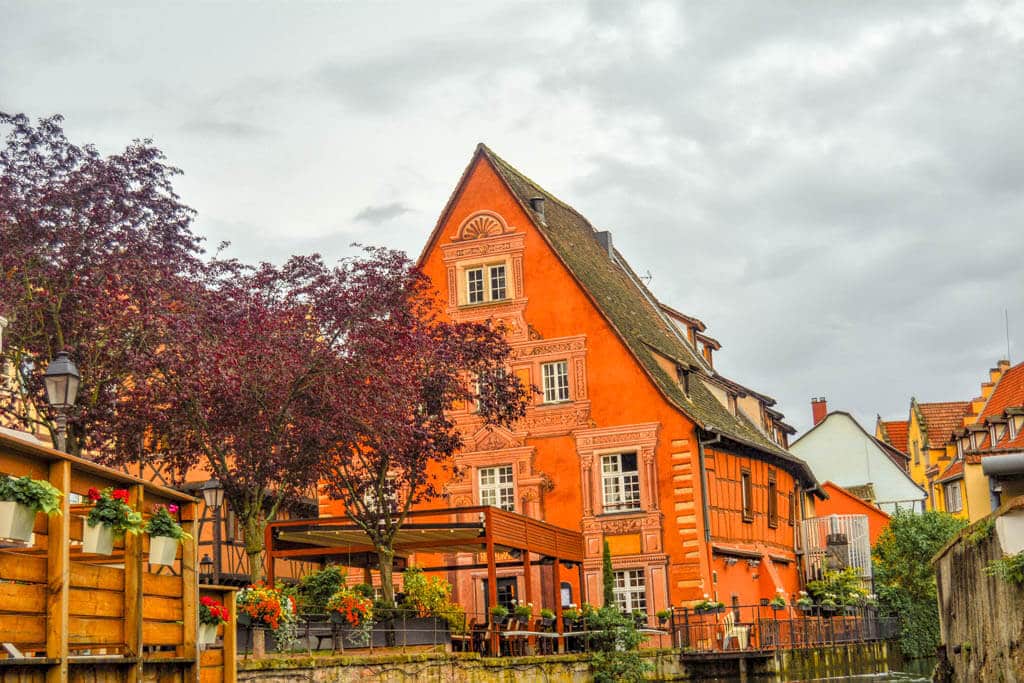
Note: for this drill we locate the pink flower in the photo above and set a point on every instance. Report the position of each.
(172, 508)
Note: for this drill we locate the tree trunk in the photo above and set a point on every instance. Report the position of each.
(386, 559)
(253, 526)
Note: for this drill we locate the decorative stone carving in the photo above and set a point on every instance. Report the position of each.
(481, 224)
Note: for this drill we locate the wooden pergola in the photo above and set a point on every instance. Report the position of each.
(479, 529)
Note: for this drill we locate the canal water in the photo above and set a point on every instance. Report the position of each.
(915, 671)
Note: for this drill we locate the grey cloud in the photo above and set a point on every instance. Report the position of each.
(375, 215)
(227, 129)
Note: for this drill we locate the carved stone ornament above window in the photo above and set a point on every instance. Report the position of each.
(481, 224)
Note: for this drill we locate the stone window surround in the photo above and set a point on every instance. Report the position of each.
(527, 483)
(593, 443)
(459, 257)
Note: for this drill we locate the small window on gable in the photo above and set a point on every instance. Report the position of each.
(486, 283)
(747, 495)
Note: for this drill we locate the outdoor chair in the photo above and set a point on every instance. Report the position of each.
(480, 638)
(731, 630)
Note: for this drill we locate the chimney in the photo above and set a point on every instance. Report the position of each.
(604, 238)
(819, 409)
(537, 204)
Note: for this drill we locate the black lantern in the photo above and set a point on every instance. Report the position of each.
(213, 494)
(62, 381)
(206, 570)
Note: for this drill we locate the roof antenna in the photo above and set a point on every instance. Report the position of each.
(647, 277)
(1006, 322)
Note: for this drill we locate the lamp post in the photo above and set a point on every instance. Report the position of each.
(213, 495)
(62, 380)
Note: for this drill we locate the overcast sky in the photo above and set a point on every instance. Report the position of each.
(834, 188)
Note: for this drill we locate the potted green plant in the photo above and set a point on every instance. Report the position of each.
(499, 614)
(709, 606)
(828, 605)
(778, 602)
(212, 614)
(639, 618)
(110, 517)
(547, 617)
(804, 603)
(570, 617)
(523, 612)
(663, 616)
(164, 535)
(20, 500)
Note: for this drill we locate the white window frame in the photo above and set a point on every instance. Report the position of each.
(630, 590)
(556, 381)
(948, 491)
(499, 489)
(500, 373)
(620, 489)
(492, 282)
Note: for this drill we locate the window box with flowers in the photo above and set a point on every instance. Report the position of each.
(164, 535)
(111, 517)
(212, 614)
(708, 606)
(20, 500)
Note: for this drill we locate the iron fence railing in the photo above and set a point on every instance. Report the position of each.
(760, 627)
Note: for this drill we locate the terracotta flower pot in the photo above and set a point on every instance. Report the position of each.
(16, 521)
(97, 539)
(162, 550)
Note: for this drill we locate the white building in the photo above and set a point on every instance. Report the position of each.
(839, 450)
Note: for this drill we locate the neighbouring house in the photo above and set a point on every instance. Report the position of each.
(839, 450)
(842, 501)
(635, 438)
(893, 432)
(929, 427)
(987, 466)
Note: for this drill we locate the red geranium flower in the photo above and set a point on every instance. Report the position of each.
(120, 494)
(94, 494)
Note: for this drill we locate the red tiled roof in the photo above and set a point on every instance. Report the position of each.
(954, 471)
(942, 418)
(1009, 392)
(896, 430)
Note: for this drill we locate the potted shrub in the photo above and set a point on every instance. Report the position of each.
(547, 617)
(499, 614)
(827, 605)
(430, 615)
(804, 603)
(21, 499)
(111, 517)
(778, 602)
(523, 612)
(164, 535)
(639, 618)
(663, 616)
(212, 613)
(263, 606)
(709, 606)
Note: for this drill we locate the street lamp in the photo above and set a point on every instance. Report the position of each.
(213, 495)
(62, 380)
(206, 570)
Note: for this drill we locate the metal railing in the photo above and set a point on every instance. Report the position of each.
(762, 628)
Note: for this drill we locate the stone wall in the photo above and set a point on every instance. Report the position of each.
(982, 616)
(668, 665)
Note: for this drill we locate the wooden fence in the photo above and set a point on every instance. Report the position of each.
(66, 615)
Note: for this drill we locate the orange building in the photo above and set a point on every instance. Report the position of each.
(634, 438)
(843, 502)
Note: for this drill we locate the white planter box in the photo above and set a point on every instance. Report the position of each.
(162, 550)
(97, 539)
(207, 633)
(16, 521)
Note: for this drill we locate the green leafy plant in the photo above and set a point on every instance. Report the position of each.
(571, 613)
(838, 585)
(498, 612)
(546, 613)
(1009, 568)
(613, 647)
(162, 524)
(663, 615)
(981, 532)
(804, 601)
(607, 575)
(37, 494)
(111, 507)
(905, 579)
(431, 596)
(708, 605)
(523, 611)
(778, 602)
(316, 588)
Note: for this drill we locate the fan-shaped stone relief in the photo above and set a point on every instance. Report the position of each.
(482, 224)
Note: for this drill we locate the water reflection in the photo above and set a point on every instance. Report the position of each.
(916, 671)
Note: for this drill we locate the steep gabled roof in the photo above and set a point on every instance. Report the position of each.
(1008, 392)
(942, 419)
(895, 433)
(633, 312)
